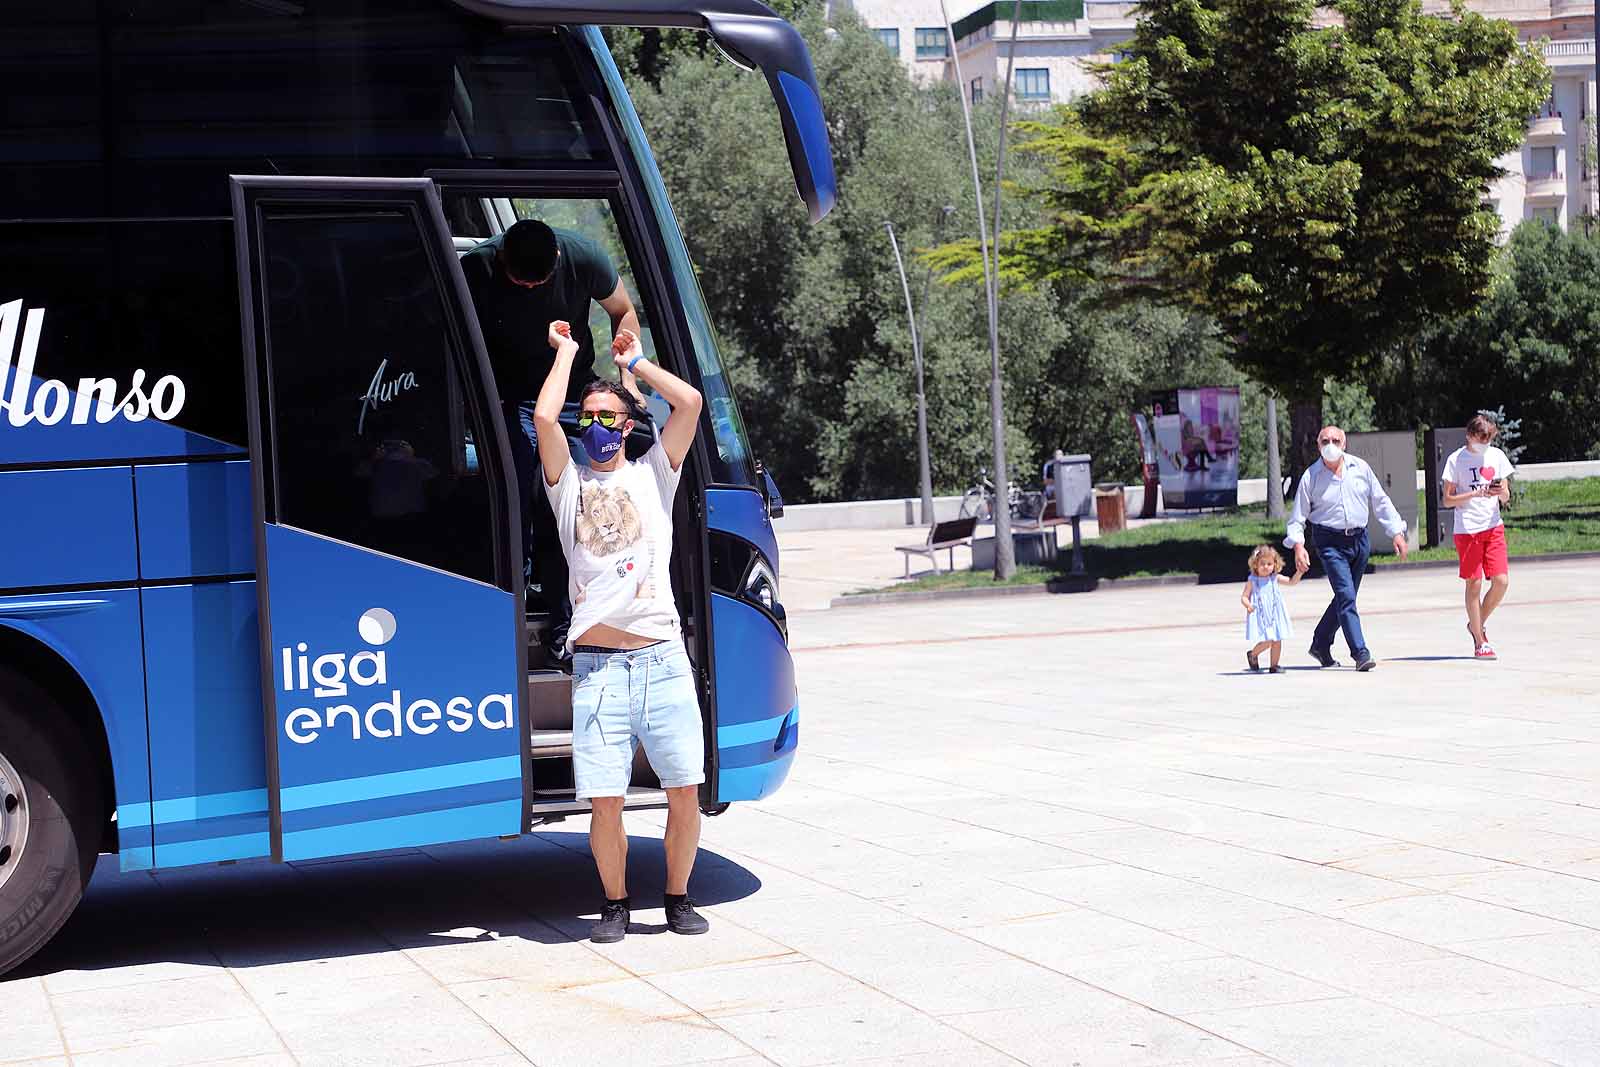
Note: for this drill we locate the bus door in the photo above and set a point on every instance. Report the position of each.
(391, 614)
(591, 204)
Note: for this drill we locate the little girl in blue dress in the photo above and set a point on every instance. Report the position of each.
(1266, 620)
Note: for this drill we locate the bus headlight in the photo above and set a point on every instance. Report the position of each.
(761, 585)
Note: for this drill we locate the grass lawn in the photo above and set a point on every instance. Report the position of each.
(1550, 517)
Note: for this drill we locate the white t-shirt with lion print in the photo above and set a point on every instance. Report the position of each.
(616, 531)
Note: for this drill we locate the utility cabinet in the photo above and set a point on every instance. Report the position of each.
(1392, 455)
(1437, 444)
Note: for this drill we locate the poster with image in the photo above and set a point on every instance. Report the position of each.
(1197, 446)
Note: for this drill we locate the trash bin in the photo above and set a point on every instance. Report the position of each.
(1070, 477)
(1110, 510)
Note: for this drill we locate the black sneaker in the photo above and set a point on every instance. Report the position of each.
(683, 919)
(1366, 664)
(1323, 656)
(613, 924)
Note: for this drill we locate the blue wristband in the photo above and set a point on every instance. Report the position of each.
(634, 361)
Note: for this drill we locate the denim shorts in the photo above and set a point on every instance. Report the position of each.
(621, 700)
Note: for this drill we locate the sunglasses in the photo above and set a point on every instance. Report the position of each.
(609, 419)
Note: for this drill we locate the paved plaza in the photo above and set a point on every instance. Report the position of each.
(1059, 830)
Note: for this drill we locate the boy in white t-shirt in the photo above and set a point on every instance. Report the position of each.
(1476, 481)
(632, 682)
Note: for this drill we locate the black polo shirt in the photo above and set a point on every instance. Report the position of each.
(516, 321)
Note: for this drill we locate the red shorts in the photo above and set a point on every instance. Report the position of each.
(1483, 554)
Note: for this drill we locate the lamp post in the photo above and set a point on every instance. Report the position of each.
(1274, 465)
(924, 471)
(1005, 558)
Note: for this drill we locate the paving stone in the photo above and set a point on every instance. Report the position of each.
(1326, 950)
(626, 1022)
(1441, 918)
(864, 1029)
(29, 1028)
(1084, 937)
(204, 1042)
(1181, 987)
(1355, 1031)
(1456, 985)
(1396, 868)
(90, 1014)
(766, 985)
(1567, 1034)
(1108, 1032)
(397, 1020)
(1571, 958)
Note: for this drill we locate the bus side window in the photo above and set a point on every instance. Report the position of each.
(373, 436)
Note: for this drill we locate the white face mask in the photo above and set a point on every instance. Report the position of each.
(1477, 448)
(1331, 452)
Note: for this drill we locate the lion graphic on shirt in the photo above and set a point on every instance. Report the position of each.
(608, 522)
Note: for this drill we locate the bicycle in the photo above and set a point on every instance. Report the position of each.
(978, 501)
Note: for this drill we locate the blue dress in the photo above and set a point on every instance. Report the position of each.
(1270, 620)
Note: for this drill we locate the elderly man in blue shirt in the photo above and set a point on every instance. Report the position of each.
(1335, 497)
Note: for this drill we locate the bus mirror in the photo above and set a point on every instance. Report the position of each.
(769, 491)
(775, 48)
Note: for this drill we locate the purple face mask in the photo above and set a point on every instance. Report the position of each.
(600, 443)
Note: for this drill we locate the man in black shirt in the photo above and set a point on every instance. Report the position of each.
(521, 282)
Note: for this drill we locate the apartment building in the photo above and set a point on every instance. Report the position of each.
(1551, 177)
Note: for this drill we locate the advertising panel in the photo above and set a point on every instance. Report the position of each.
(1196, 435)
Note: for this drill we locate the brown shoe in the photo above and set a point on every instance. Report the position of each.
(1251, 658)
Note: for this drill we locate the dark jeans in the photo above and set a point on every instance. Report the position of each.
(541, 547)
(1344, 560)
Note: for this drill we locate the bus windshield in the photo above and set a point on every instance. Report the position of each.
(731, 459)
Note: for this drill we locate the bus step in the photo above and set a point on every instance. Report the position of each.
(551, 744)
(550, 709)
(565, 802)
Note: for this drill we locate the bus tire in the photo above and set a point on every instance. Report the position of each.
(50, 809)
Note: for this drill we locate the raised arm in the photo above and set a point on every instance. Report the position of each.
(624, 331)
(684, 400)
(620, 344)
(554, 454)
(619, 305)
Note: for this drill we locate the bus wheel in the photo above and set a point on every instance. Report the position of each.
(50, 809)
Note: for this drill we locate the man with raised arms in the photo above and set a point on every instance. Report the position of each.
(632, 681)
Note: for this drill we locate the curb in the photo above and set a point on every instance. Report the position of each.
(1062, 585)
(1440, 564)
(1053, 586)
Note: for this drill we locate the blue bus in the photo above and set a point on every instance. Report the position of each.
(261, 581)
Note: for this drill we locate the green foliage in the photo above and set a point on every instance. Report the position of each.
(1530, 348)
(1317, 192)
(812, 319)
(1553, 517)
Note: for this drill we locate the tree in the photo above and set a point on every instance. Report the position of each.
(1530, 348)
(1316, 191)
(812, 320)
